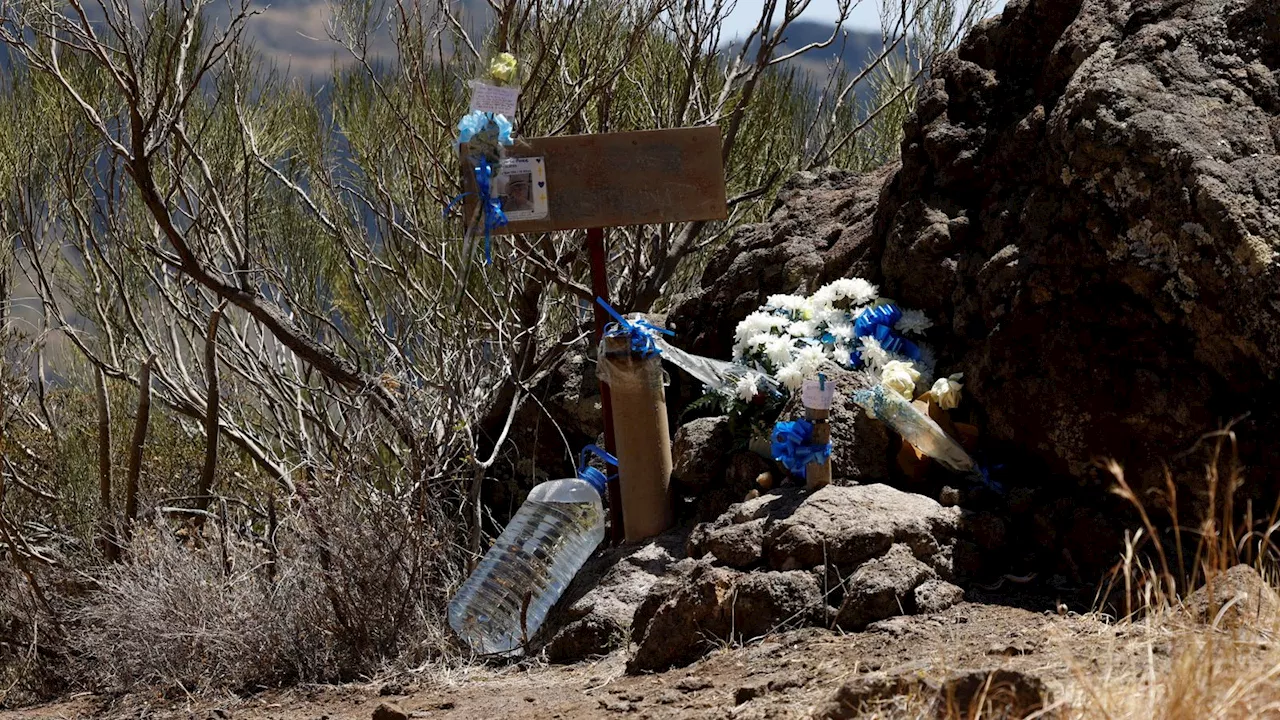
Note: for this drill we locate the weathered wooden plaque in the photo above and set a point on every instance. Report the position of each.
(618, 179)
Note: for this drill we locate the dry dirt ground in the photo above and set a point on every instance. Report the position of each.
(788, 675)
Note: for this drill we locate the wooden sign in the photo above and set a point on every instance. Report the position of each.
(618, 179)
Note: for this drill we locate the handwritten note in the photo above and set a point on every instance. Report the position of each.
(497, 100)
(818, 393)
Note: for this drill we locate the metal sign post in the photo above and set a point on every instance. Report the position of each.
(615, 180)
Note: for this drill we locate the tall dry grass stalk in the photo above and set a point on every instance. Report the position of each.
(1205, 656)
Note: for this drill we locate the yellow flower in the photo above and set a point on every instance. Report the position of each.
(503, 68)
(946, 391)
(901, 378)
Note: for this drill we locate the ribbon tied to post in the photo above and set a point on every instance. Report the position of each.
(791, 446)
(494, 216)
(641, 332)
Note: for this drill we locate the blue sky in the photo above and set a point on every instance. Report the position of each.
(865, 15)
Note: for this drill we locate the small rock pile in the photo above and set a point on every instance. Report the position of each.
(843, 557)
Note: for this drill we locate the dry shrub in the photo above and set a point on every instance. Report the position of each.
(32, 652)
(346, 587)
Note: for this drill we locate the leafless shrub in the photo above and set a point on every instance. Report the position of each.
(351, 584)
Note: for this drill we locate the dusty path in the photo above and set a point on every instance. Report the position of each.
(782, 676)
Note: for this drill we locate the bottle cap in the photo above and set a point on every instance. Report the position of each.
(595, 478)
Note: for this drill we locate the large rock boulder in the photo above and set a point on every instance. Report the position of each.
(1238, 599)
(838, 526)
(1088, 206)
(882, 588)
(699, 453)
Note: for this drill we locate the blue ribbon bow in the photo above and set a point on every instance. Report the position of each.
(878, 322)
(641, 332)
(882, 315)
(791, 447)
(469, 127)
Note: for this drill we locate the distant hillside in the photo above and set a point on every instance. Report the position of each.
(851, 51)
(854, 49)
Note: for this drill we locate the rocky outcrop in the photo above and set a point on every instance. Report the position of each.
(842, 556)
(1088, 206)
(594, 615)
(1238, 599)
(699, 453)
(701, 605)
(817, 232)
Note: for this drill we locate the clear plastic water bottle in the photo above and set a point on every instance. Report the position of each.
(509, 594)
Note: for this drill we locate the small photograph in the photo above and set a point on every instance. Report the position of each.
(522, 185)
(518, 195)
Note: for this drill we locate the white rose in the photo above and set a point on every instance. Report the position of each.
(946, 391)
(901, 378)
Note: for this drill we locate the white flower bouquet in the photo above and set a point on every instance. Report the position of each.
(845, 323)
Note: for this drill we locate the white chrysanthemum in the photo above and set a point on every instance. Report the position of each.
(840, 352)
(901, 378)
(779, 350)
(803, 329)
(946, 391)
(746, 387)
(856, 290)
(757, 323)
(751, 325)
(811, 358)
(823, 299)
(872, 354)
(750, 346)
(788, 303)
(927, 362)
(841, 331)
(830, 316)
(792, 377)
(914, 322)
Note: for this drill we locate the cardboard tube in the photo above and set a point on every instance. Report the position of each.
(818, 475)
(642, 436)
(817, 396)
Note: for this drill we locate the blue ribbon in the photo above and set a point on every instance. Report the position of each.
(791, 446)
(641, 332)
(592, 476)
(494, 217)
(882, 315)
(878, 322)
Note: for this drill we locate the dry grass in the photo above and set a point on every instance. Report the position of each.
(1200, 663)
